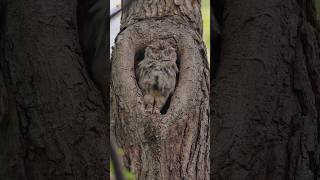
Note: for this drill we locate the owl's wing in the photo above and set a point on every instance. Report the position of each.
(170, 68)
(144, 73)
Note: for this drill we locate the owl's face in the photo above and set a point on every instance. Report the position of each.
(160, 60)
(162, 51)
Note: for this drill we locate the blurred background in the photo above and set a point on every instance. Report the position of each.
(205, 8)
(115, 22)
(318, 8)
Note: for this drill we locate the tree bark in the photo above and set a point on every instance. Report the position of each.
(266, 95)
(52, 118)
(174, 145)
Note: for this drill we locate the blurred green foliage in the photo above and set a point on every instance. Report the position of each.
(205, 8)
(128, 175)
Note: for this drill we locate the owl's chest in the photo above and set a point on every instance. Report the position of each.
(155, 93)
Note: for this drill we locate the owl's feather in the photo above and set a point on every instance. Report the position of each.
(156, 74)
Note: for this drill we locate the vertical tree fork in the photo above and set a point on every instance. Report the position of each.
(174, 145)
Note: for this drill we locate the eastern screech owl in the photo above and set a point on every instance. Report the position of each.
(156, 74)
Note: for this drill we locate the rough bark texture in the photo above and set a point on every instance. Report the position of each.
(52, 119)
(186, 11)
(174, 145)
(266, 96)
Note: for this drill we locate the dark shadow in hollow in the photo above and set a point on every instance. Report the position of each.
(138, 57)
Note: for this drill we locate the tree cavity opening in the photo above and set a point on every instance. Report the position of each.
(157, 72)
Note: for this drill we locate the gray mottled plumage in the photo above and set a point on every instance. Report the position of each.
(156, 74)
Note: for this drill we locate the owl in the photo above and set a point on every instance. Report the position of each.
(156, 74)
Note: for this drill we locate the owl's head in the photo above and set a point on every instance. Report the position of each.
(161, 50)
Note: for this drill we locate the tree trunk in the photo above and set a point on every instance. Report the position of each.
(52, 118)
(174, 144)
(266, 95)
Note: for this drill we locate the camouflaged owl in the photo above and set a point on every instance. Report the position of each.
(156, 74)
